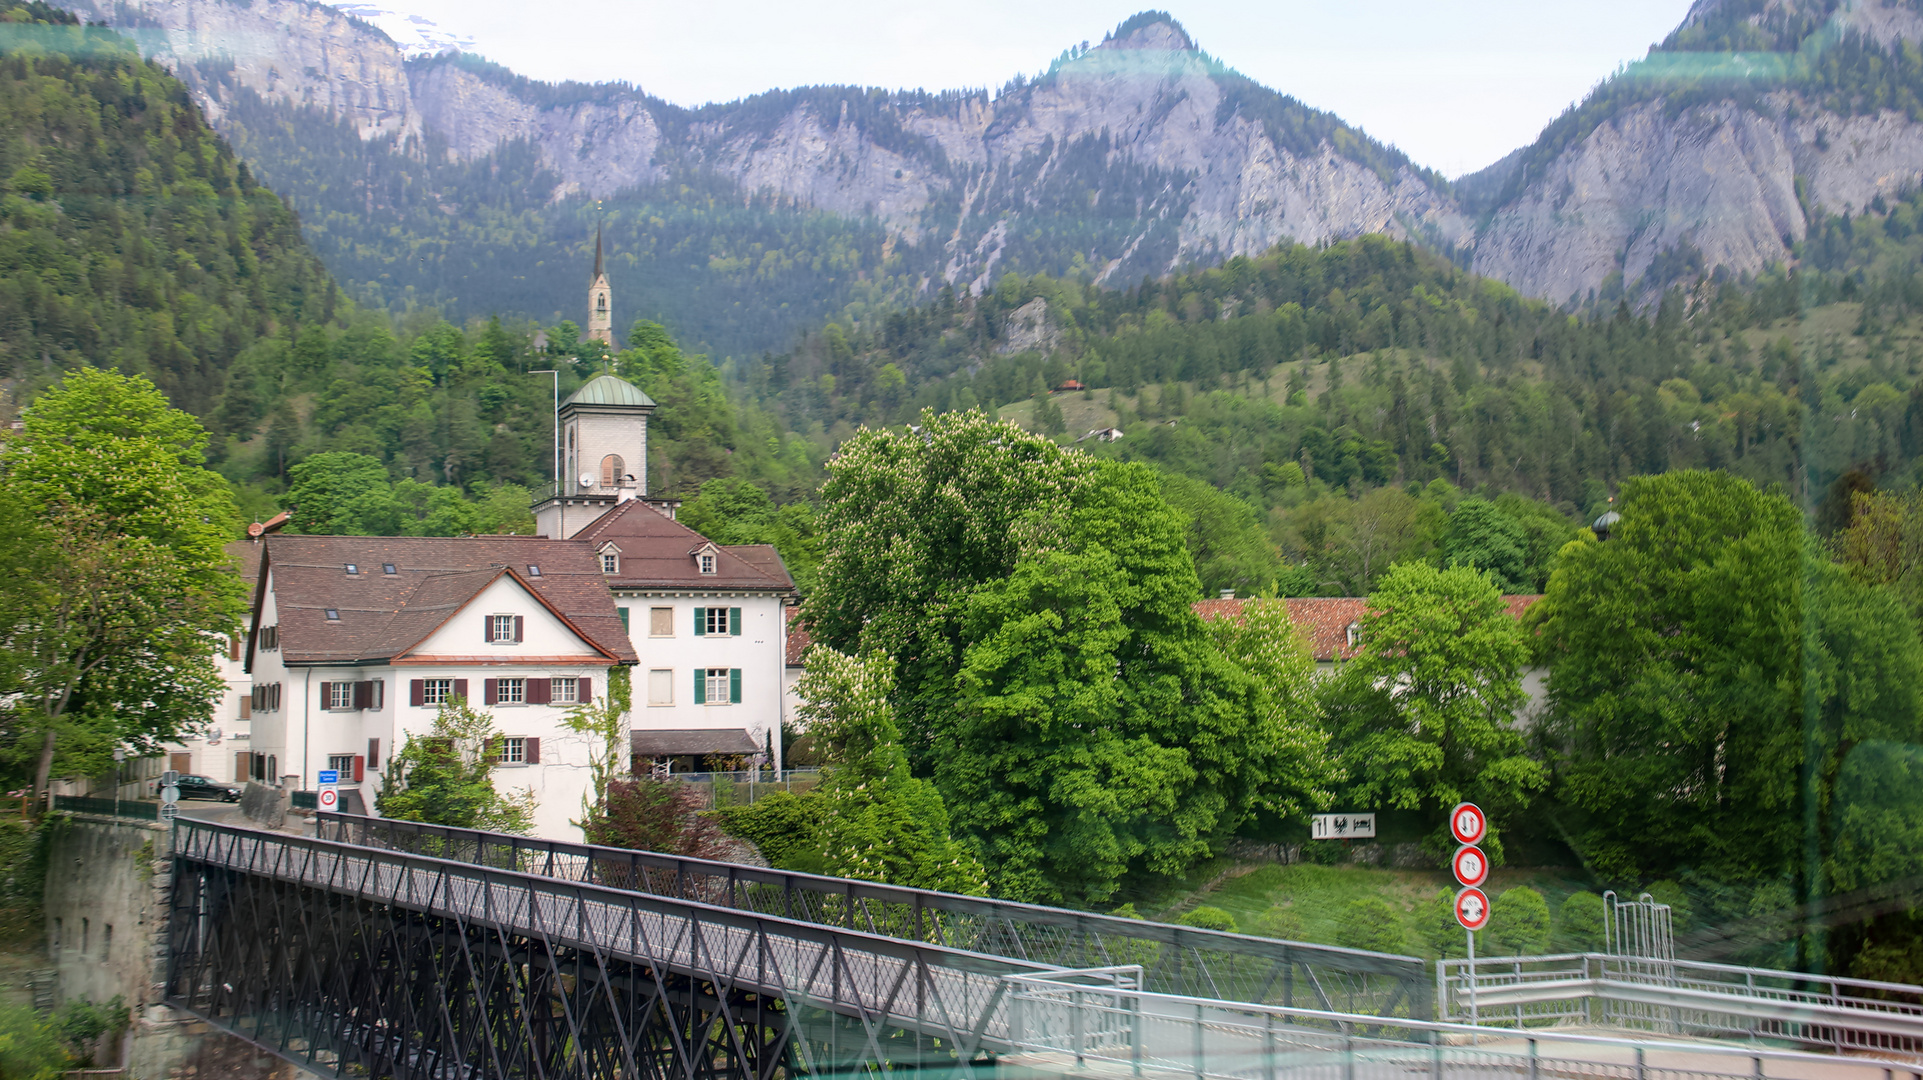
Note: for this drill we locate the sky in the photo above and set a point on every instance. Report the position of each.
(1455, 85)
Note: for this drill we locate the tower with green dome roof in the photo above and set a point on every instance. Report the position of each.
(604, 455)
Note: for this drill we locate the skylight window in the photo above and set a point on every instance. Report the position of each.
(353, 568)
(533, 570)
(388, 568)
(333, 614)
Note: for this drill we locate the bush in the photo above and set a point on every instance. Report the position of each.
(1580, 924)
(1370, 923)
(1280, 923)
(1209, 918)
(645, 814)
(1682, 914)
(783, 826)
(1437, 921)
(1322, 852)
(1519, 921)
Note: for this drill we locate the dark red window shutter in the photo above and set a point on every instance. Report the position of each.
(532, 750)
(417, 692)
(487, 628)
(373, 753)
(540, 691)
(363, 695)
(233, 648)
(327, 696)
(360, 768)
(490, 691)
(584, 690)
(460, 688)
(520, 625)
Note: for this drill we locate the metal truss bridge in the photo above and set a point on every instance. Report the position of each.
(392, 949)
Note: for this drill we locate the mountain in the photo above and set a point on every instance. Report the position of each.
(1715, 155)
(470, 186)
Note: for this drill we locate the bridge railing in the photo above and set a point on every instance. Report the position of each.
(1174, 959)
(1092, 1023)
(1683, 997)
(233, 962)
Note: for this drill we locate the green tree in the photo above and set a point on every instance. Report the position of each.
(1483, 537)
(1371, 923)
(116, 575)
(1519, 921)
(1230, 547)
(1424, 714)
(880, 823)
(1579, 922)
(446, 777)
(1288, 718)
(342, 494)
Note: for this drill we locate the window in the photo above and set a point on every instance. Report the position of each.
(339, 695)
(503, 629)
(717, 686)
(266, 697)
(707, 564)
(533, 570)
(343, 764)
(1354, 634)
(610, 562)
(436, 691)
(269, 638)
(563, 690)
(333, 614)
(389, 569)
(661, 686)
(511, 692)
(612, 470)
(511, 751)
(661, 622)
(716, 621)
(353, 568)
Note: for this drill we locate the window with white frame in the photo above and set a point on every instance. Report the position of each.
(610, 562)
(511, 692)
(436, 691)
(661, 622)
(707, 563)
(500, 629)
(511, 750)
(340, 695)
(661, 686)
(343, 764)
(717, 620)
(564, 689)
(717, 686)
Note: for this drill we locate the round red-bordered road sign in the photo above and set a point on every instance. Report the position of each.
(329, 799)
(1472, 909)
(1471, 866)
(1468, 824)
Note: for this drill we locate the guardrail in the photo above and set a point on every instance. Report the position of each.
(1080, 1022)
(1683, 997)
(1174, 959)
(127, 808)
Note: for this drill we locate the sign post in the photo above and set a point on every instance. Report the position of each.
(327, 796)
(1469, 825)
(169, 795)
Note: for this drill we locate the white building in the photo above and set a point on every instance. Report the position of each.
(356, 642)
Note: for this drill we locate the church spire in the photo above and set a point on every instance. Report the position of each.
(600, 300)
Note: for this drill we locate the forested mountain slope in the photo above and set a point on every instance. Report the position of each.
(451, 181)
(1713, 156)
(130, 235)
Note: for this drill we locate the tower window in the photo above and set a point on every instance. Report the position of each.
(612, 469)
(601, 303)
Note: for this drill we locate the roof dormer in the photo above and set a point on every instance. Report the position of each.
(610, 556)
(707, 558)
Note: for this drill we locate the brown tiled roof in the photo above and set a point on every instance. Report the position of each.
(674, 742)
(798, 642)
(658, 552)
(384, 615)
(765, 558)
(1325, 620)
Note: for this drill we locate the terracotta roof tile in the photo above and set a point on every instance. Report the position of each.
(658, 552)
(798, 642)
(383, 615)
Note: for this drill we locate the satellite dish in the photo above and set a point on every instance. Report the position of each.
(587, 479)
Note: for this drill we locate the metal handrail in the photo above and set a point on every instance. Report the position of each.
(1177, 959)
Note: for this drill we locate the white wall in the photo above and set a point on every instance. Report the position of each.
(760, 652)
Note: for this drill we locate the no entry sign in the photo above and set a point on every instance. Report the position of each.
(1468, 824)
(1471, 866)
(1472, 909)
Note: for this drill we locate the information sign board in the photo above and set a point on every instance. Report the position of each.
(329, 798)
(1342, 827)
(168, 778)
(1468, 824)
(1472, 909)
(1470, 865)
(170, 794)
(328, 776)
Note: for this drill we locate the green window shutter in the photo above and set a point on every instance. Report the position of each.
(624, 620)
(700, 686)
(734, 621)
(734, 686)
(700, 621)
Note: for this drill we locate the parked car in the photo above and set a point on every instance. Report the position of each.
(201, 787)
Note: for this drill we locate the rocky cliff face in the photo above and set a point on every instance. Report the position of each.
(1145, 120)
